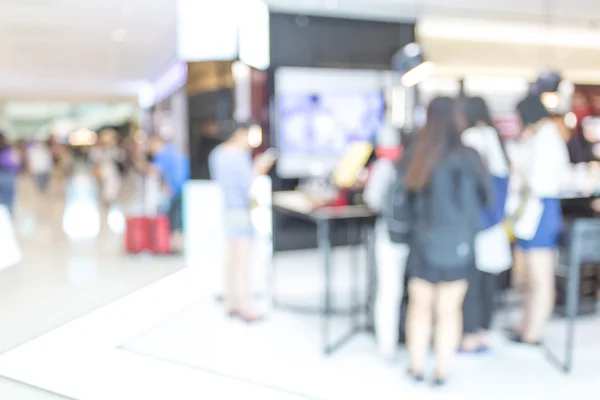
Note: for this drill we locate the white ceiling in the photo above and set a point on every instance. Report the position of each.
(65, 49)
(563, 10)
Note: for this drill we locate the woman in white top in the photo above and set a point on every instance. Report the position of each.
(545, 172)
(478, 307)
(40, 161)
(390, 257)
(106, 157)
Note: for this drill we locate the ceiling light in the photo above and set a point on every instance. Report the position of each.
(410, 62)
(551, 100)
(417, 74)
(119, 35)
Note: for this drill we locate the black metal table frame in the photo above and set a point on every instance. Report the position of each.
(365, 229)
(578, 254)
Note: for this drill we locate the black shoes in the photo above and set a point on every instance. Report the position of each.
(416, 378)
(516, 338)
(419, 378)
(439, 382)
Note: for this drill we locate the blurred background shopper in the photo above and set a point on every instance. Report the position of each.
(173, 167)
(231, 166)
(390, 257)
(106, 156)
(39, 157)
(478, 307)
(10, 163)
(545, 175)
(447, 189)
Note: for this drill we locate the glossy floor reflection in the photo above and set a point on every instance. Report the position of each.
(73, 262)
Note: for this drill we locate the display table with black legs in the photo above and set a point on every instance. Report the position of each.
(580, 245)
(354, 219)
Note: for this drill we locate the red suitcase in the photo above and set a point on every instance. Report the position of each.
(137, 235)
(160, 235)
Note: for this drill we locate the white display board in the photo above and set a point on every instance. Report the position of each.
(210, 30)
(254, 34)
(206, 30)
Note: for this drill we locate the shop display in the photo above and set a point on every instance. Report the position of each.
(327, 123)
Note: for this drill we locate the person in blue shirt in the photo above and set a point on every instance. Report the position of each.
(174, 169)
(10, 165)
(233, 169)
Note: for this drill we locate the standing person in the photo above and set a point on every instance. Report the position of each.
(173, 167)
(390, 257)
(545, 174)
(232, 167)
(10, 164)
(40, 162)
(478, 307)
(106, 157)
(447, 188)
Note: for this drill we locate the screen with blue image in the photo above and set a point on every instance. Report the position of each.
(324, 124)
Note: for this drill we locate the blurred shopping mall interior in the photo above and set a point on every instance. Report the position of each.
(100, 301)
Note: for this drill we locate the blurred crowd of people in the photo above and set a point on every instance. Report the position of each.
(459, 165)
(117, 163)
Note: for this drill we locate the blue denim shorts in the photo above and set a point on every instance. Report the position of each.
(238, 224)
(548, 232)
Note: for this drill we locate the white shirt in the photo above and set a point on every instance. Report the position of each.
(39, 157)
(485, 140)
(547, 168)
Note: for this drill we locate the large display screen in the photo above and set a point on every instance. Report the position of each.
(324, 124)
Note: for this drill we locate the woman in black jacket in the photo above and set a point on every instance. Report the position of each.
(448, 187)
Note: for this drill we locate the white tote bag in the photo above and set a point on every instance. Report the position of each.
(10, 255)
(492, 250)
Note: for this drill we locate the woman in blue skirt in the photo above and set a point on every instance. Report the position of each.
(545, 175)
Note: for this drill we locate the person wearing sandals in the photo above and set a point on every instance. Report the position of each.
(447, 187)
(478, 308)
(231, 166)
(546, 174)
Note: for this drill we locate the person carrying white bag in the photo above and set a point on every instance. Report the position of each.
(11, 254)
(492, 245)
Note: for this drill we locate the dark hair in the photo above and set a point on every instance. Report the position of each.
(229, 128)
(440, 134)
(477, 112)
(531, 110)
(3, 141)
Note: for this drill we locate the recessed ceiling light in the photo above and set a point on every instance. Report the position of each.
(119, 35)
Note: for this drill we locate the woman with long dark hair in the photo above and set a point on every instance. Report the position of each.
(9, 168)
(448, 188)
(482, 136)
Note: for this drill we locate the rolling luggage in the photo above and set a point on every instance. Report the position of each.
(146, 230)
(137, 238)
(160, 235)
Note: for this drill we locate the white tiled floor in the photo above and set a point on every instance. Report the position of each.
(63, 277)
(170, 340)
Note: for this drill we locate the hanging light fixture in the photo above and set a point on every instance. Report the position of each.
(411, 64)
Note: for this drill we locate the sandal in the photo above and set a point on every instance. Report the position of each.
(517, 338)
